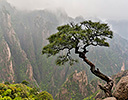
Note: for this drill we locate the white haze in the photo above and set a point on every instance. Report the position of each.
(106, 9)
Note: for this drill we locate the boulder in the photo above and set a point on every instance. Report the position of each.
(110, 98)
(121, 89)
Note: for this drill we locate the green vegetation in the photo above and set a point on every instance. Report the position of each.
(31, 30)
(92, 97)
(25, 82)
(44, 96)
(78, 36)
(22, 92)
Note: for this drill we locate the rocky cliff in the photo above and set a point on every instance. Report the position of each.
(77, 87)
(121, 89)
(74, 87)
(14, 55)
(22, 36)
(7, 71)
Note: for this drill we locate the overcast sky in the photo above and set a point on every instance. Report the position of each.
(107, 9)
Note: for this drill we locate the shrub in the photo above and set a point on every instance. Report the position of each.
(44, 96)
(25, 82)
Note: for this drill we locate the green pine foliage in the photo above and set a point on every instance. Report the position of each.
(79, 35)
(22, 92)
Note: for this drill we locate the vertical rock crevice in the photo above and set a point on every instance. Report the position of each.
(20, 63)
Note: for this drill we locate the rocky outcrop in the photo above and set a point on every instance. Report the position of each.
(81, 79)
(91, 90)
(118, 76)
(120, 86)
(110, 98)
(121, 89)
(123, 67)
(77, 87)
(6, 66)
(18, 61)
(74, 87)
(24, 36)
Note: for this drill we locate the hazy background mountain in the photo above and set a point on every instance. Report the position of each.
(24, 33)
(120, 27)
(110, 9)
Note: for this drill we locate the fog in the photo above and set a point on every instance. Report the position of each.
(106, 9)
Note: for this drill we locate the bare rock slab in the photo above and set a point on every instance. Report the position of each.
(110, 98)
(121, 90)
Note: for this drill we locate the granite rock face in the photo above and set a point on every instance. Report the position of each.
(121, 89)
(74, 87)
(110, 98)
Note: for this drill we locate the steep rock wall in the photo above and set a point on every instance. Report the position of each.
(20, 63)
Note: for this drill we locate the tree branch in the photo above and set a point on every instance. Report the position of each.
(107, 88)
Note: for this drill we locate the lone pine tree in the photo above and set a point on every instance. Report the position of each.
(77, 37)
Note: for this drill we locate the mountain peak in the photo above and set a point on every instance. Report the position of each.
(57, 11)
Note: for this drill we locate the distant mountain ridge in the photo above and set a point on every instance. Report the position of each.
(22, 36)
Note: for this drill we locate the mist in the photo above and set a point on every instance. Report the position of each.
(106, 9)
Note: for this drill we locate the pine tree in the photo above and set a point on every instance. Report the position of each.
(78, 37)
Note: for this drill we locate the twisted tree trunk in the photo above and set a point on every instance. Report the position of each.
(106, 88)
